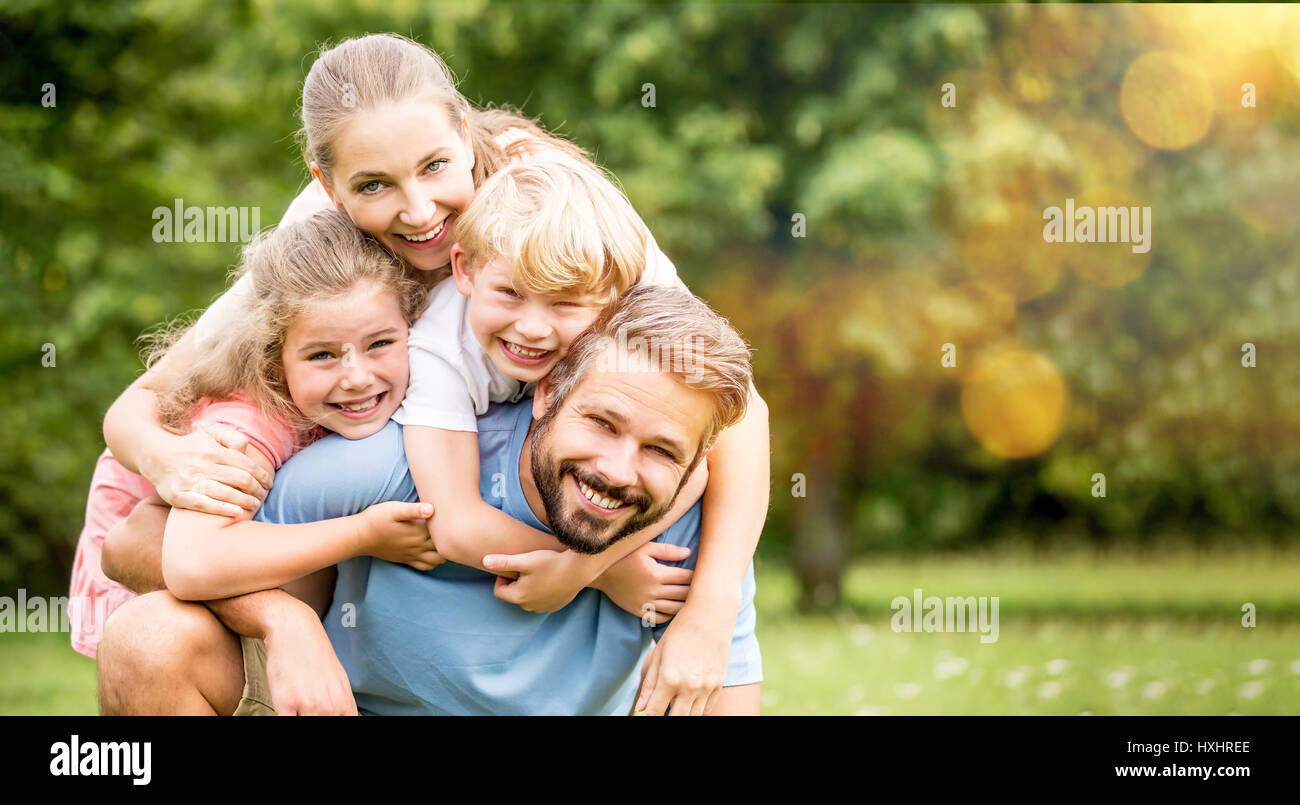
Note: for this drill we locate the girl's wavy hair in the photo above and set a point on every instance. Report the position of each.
(291, 268)
(368, 71)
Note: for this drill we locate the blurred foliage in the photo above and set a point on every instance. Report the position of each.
(920, 226)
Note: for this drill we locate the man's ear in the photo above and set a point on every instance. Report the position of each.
(329, 188)
(542, 397)
(460, 270)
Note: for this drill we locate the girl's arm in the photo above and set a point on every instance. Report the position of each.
(206, 470)
(689, 665)
(208, 556)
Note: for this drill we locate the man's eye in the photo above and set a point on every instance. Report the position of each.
(602, 423)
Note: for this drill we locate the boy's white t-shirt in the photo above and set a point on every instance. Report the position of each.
(452, 379)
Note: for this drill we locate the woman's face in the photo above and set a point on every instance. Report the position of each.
(402, 173)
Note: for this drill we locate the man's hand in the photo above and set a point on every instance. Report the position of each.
(686, 669)
(543, 581)
(305, 676)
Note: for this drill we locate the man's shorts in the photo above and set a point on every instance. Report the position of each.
(256, 699)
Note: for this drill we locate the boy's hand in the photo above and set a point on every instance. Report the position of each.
(687, 667)
(539, 581)
(641, 584)
(399, 532)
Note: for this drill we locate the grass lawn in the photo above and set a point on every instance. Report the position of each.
(1078, 633)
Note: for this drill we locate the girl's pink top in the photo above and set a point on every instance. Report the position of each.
(115, 491)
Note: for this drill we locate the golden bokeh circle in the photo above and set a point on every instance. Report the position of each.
(1014, 402)
(1166, 101)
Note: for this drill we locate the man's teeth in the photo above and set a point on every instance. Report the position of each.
(525, 353)
(599, 500)
(365, 405)
(433, 233)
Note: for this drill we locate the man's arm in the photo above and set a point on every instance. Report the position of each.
(132, 553)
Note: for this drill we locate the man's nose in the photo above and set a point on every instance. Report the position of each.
(617, 464)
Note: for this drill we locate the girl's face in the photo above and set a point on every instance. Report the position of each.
(402, 173)
(345, 361)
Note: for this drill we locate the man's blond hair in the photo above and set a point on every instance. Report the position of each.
(561, 225)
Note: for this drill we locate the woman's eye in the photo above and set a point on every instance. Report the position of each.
(369, 187)
(436, 165)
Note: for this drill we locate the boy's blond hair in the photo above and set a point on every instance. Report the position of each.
(561, 225)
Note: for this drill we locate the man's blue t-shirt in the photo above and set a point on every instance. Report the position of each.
(439, 641)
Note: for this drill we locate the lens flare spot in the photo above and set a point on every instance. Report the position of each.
(1166, 101)
(1014, 402)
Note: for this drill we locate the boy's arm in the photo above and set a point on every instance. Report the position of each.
(445, 468)
(688, 666)
(207, 556)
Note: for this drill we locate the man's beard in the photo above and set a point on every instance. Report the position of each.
(578, 529)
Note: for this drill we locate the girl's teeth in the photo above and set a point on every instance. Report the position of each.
(363, 406)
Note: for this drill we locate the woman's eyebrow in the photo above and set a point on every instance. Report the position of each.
(419, 163)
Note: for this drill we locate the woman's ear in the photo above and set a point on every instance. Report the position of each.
(329, 188)
(460, 270)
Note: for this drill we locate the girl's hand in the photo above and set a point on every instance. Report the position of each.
(642, 585)
(399, 532)
(539, 581)
(207, 471)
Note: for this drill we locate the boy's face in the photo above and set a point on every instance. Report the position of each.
(523, 333)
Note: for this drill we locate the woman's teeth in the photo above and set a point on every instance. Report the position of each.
(430, 235)
(524, 353)
(598, 499)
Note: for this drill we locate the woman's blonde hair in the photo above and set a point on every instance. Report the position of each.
(369, 71)
(560, 224)
(290, 269)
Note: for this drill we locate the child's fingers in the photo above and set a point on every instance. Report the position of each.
(674, 592)
(675, 575)
(649, 681)
(665, 552)
(665, 607)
